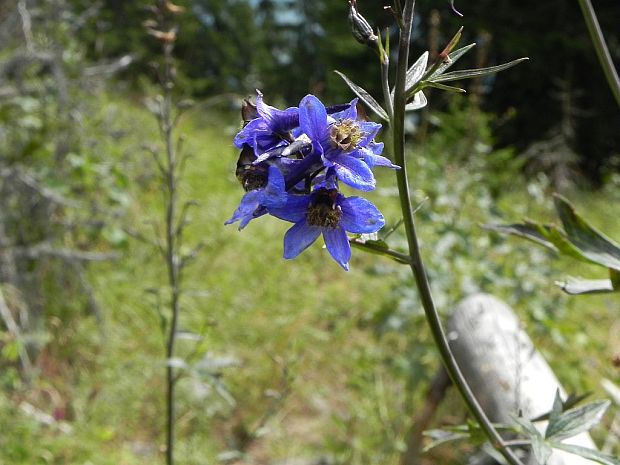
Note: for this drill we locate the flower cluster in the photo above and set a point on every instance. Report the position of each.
(291, 164)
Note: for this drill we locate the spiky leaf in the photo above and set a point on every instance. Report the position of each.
(365, 97)
(586, 453)
(592, 244)
(575, 421)
(415, 73)
(472, 73)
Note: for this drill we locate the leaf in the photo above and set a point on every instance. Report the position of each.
(574, 286)
(572, 400)
(419, 101)
(592, 244)
(440, 437)
(472, 73)
(528, 230)
(365, 97)
(586, 453)
(541, 449)
(577, 420)
(441, 86)
(415, 73)
(379, 247)
(453, 58)
(557, 408)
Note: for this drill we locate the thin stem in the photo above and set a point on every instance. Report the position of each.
(171, 246)
(417, 264)
(596, 35)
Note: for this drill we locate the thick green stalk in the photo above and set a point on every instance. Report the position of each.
(417, 265)
(596, 35)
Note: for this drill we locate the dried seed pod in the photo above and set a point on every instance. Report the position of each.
(360, 28)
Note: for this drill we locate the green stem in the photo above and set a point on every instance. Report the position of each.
(377, 249)
(417, 264)
(596, 35)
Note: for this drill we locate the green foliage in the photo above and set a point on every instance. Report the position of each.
(579, 240)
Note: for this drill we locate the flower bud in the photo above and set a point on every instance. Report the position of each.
(248, 111)
(359, 26)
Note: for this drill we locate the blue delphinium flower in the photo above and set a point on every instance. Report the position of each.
(325, 211)
(290, 165)
(270, 129)
(266, 192)
(339, 142)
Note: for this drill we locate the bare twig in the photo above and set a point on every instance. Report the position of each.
(46, 250)
(16, 173)
(108, 68)
(13, 328)
(26, 24)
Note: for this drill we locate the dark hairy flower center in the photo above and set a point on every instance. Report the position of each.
(323, 211)
(253, 178)
(345, 134)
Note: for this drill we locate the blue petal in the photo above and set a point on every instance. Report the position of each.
(294, 210)
(245, 211)
(372, 157)
(257, 135)
(298, 238)
(277, 120)
(370, 130)
(274, 194)
(354, 172)
(313, 118)
(360, 216)
(338, 246)
(349, 113)
(248, 133)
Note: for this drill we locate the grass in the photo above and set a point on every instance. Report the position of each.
(299, 359)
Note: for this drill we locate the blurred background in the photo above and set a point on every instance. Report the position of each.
(294, 362)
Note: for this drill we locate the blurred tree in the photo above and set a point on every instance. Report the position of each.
(290, 47)
(531, 100)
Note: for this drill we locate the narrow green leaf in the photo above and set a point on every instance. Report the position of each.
(452, 58)
(577, 420)
(593, 245)
(379, 247)
(590, 454)
(440, 437)
(365, 97)
(557, 237)
(572, 400)
(454, 41)
(441, 86)
(574, 286)
(528, 230)
(556, 410)
(472, 73)
(415, 73)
